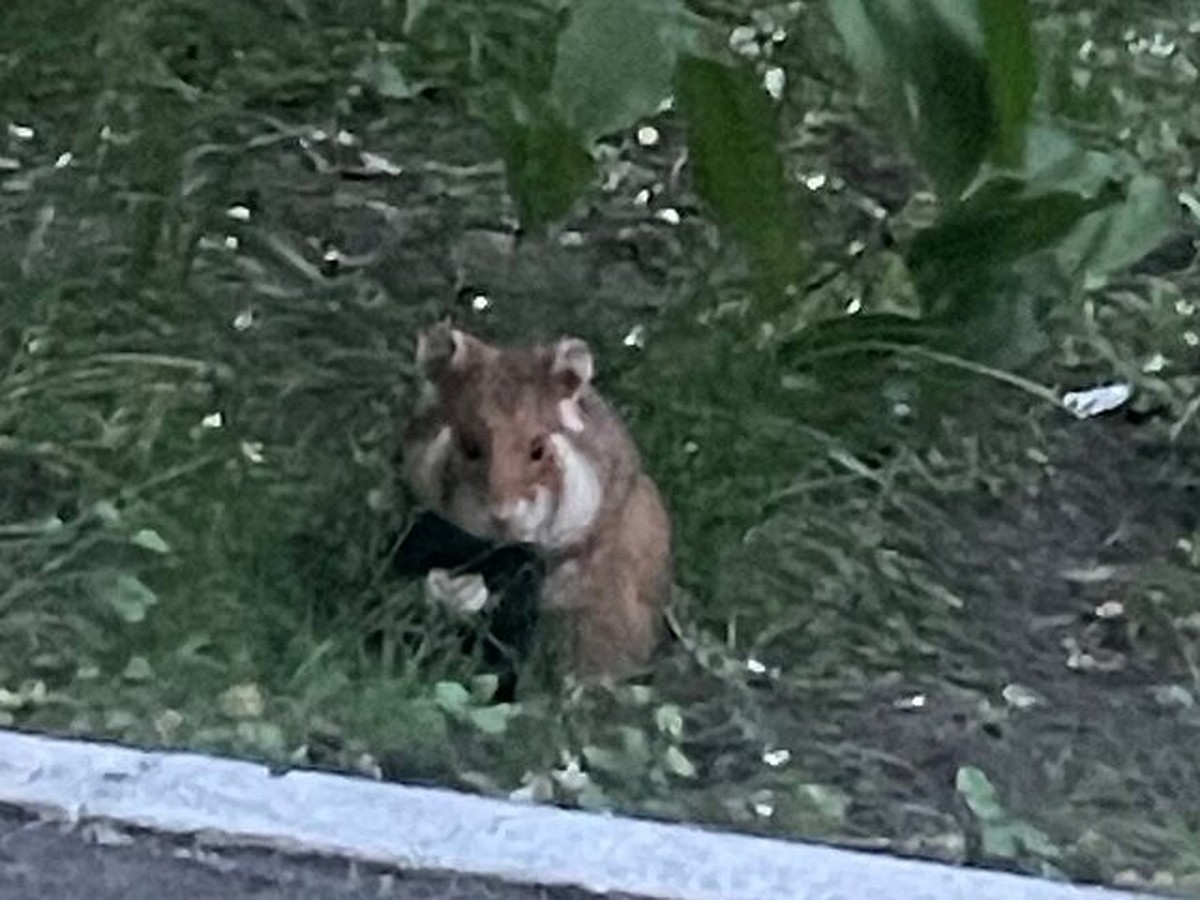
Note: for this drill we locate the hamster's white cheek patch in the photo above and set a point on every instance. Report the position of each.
(527, 518)
(581, 495)
(431, 460)
(568, 413)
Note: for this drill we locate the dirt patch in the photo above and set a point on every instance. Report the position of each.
(1065, 677)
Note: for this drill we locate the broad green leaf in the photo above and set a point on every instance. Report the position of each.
(1012, 73)
(1054, 160)
(128, 597)
(999, 224)
(615, 61)
(451, 696)
(545, 160)
(1117, 237)
(924, 65)
(1112, 238)
(732, 139)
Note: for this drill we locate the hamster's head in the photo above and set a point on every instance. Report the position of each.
(501, 458)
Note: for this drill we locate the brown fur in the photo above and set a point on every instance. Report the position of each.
(607, 580)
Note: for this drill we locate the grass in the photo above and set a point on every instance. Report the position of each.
(197, 432)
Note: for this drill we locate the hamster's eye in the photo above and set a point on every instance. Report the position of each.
(537, 450)
(472, 449)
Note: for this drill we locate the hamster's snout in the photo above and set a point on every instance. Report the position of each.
(523, 518)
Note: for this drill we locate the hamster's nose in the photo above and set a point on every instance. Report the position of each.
(510, 516)
(508, 510)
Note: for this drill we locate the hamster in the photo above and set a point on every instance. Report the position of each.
(514, 445)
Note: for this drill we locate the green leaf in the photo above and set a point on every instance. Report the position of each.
(1117, 237)
(1012, 73)
(148, 539)
(243, 701)
(678, 764)
(615, 61)
(924, 63)
(732, 139)
(413, 10)
(828, 801)
(545, 160)
(979, 794)
(635, 745)
(128, 597)
(600, 759)
(997, 225)
(1002, 836)
(266, 737)
(669, 720)
(1014, 839)
(592, 797)
(1054, 160)
(832, 337)
(107, 512)
(137, 669)
(864, 45)
(483, 687)
(492, 720)
(385, 79)
(451, 696)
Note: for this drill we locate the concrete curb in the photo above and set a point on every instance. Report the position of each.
(241, 803)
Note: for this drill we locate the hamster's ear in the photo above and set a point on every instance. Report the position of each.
(572, 367)
(444, 349)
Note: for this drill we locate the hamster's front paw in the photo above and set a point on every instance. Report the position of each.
(461, 594)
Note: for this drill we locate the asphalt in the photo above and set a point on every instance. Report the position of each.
(47, 860)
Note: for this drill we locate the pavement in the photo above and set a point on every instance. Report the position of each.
(93, 821)
(48, 860)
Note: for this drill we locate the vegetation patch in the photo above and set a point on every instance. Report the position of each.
(840, 265)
